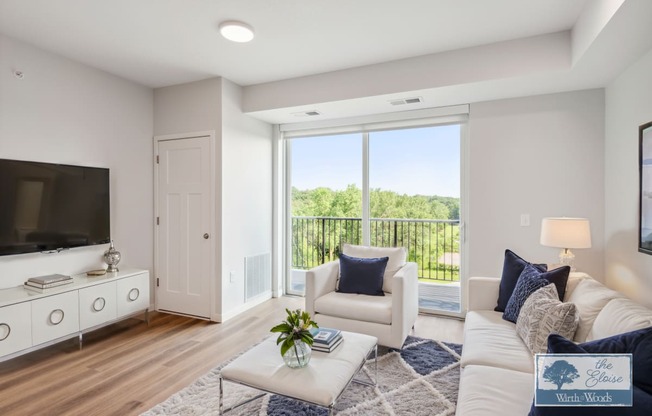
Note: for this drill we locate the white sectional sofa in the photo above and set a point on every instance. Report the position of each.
(497, 369)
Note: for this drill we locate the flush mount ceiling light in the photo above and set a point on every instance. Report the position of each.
(236, 31)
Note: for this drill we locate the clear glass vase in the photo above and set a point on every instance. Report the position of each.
(298, 356)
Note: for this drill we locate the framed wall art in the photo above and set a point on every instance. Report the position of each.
(645, 188)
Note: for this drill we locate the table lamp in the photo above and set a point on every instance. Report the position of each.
(566, 233)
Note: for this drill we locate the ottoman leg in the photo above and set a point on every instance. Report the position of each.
(376, 365)
(221, 401)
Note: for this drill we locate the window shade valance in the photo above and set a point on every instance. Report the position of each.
(378, 122)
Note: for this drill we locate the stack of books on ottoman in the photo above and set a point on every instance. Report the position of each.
(43, 283)
(326, 339)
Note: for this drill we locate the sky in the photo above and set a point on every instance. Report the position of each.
(420, 161)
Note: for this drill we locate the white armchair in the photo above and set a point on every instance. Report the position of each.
(389, 318)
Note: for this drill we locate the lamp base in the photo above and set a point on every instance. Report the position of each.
(567, 258)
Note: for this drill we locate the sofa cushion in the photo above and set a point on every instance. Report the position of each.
(618, 316)
(491, 341)
(397, 258)
(363, 276)
(513, 266)
(589, 297)
(376, 309)
(488, 391)
(543, 314)
(574, 279)
(529, 282)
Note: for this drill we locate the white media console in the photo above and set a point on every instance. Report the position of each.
(30, 320)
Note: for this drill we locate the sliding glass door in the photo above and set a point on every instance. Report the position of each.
(414, 202)
(386, 188)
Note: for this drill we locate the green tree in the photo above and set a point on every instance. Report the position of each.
(318, 240)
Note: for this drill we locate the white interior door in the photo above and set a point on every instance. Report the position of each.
(184, 237)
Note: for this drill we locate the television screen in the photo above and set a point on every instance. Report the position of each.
(45, 206)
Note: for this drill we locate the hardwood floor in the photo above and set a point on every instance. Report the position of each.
(128, 367)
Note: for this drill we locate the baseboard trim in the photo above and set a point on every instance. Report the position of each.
(244, 307)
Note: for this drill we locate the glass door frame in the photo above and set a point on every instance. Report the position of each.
(285, 171)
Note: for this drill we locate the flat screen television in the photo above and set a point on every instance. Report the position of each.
(46, 207)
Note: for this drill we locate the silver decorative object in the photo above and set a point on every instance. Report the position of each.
(112, 258)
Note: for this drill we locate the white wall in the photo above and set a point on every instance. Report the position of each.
(66, 112)
(541, 156)
(192, 107)
(628, 105)
(186, 108)
(243, 175)
(246, 193)
(501, 60)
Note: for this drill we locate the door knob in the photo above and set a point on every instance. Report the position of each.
(206, 236)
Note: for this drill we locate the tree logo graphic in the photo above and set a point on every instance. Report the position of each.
(560, 372)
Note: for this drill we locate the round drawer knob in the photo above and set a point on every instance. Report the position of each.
(133, 294)
(99, 304)
(56, 316)
(6, 329)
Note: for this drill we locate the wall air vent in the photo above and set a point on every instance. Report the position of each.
(310, 113)
(258, 275)
(403, 101)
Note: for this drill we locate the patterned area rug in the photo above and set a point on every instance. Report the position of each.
(421, 379)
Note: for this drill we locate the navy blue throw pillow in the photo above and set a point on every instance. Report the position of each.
(513, 266)
(559, 277)
(529, 282)
(362, 276)
(558, 344)
(638, 343)
(623, 343)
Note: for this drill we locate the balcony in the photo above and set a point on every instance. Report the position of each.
(432, 244)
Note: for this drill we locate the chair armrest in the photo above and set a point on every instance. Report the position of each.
(405, 298)
(320, 280)
(483, 293)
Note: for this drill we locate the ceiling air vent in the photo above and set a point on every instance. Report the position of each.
(310, 113)
(403, 101)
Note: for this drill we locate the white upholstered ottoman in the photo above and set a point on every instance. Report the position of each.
(321, 383)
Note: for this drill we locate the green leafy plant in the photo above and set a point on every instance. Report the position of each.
(295, 327)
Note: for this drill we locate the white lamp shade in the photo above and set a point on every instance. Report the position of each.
(566, 232)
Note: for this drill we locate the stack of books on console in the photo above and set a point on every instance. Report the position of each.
(326, 339)
(43, 283)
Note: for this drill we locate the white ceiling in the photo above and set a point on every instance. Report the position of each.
(346, 58)
(165, 42)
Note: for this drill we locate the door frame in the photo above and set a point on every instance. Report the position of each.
(213, 286)
(458, 115)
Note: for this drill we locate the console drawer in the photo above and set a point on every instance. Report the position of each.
(15, 328)
(133, 294)
(97, 305)
(55, 316)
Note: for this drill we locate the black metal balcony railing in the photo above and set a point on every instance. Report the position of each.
(432, 244)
